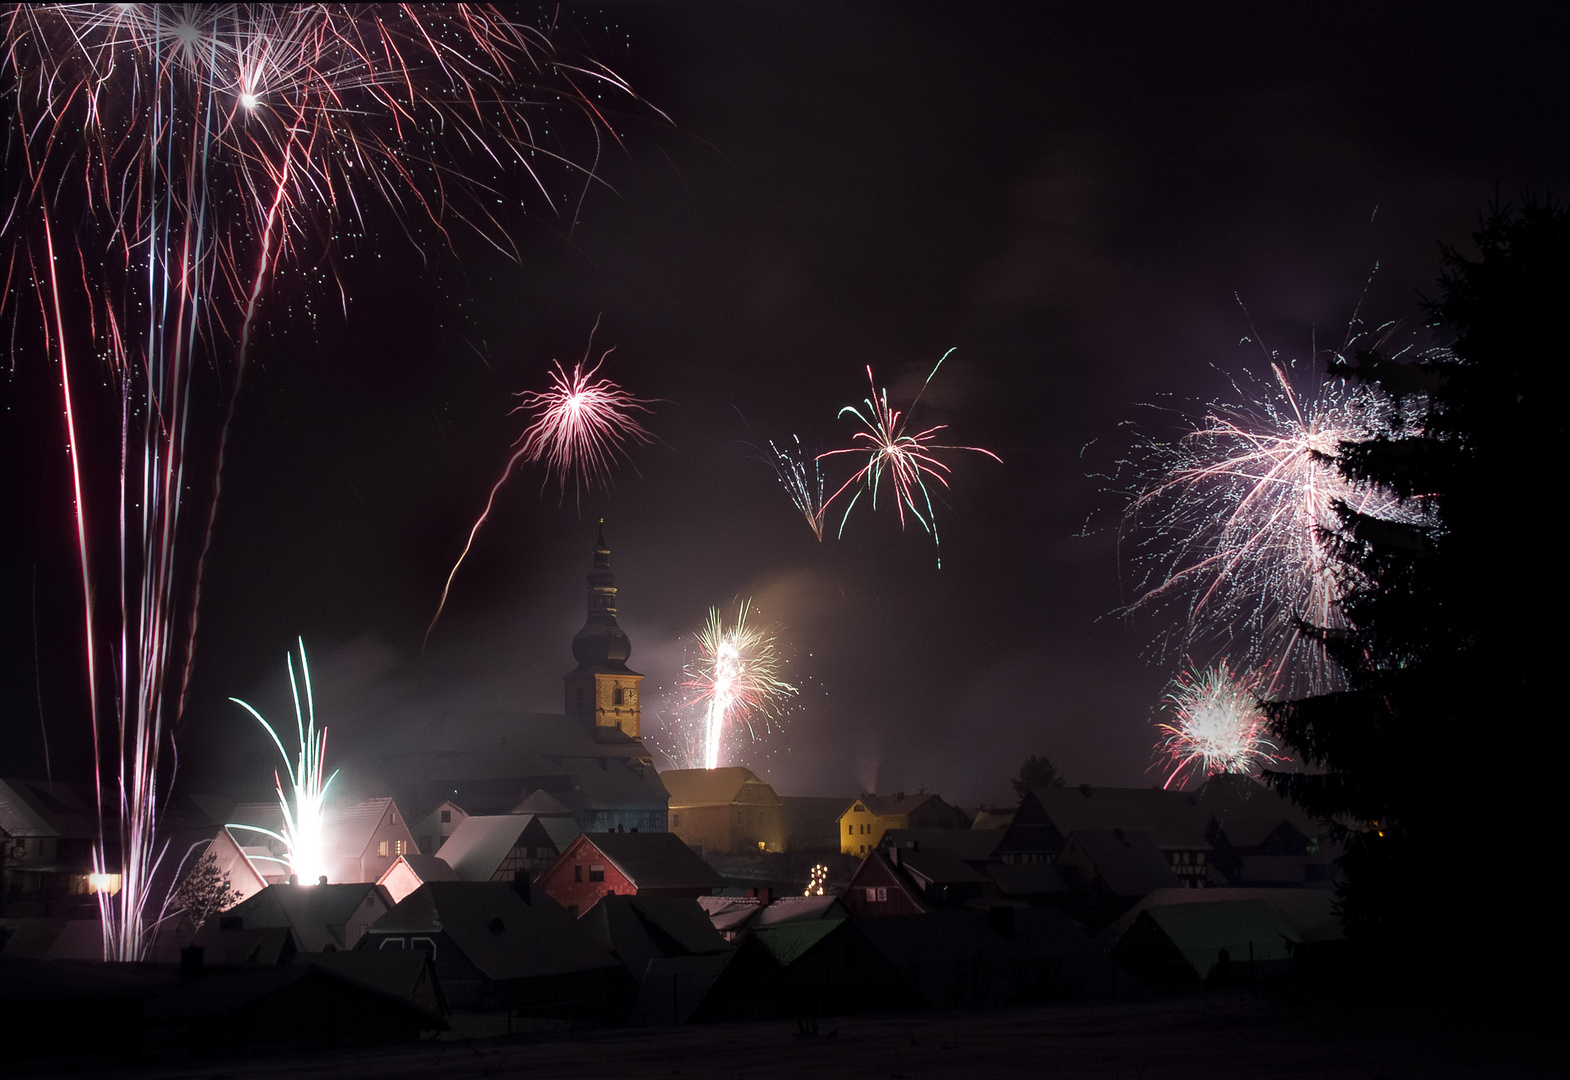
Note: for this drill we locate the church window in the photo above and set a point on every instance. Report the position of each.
(617, 696)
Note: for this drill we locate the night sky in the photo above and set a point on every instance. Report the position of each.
(1073, 197)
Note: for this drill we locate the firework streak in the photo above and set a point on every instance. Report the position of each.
(897, 457)
(303, 805)
(1234, 524)
(166, 164)
(581, 425)
(735, 680)
(800, 476)
(1218, 725)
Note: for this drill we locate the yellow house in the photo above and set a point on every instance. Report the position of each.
(863, 824)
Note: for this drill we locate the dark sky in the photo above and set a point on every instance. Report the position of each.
(1073, 197)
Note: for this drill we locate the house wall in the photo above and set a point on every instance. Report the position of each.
(571, 881)
(875, 889)
(383, 849)
(430, 832)
(861, 829)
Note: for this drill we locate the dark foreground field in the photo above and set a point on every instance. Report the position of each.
(1504, 1033)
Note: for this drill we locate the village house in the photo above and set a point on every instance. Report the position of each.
(496, 948)
(320, 918)
(627, 864)
(911, 881)
(724, 811)
(862, 824)
(409, 872)
(47, 833)
(1183, 831)
(497, 847)
(432, 830)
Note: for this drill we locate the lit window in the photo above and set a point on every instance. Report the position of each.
(381, 848)
(400, 847)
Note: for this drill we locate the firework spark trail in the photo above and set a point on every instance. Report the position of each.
(897, 457)
(1218, 724)
(304, 803)
(735, 680)
(582, 425)
(1234, 521)
(800, 475)
(194, 153)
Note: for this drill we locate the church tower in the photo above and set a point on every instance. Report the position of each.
(602, 692)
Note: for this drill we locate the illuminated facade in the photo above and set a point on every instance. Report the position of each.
(602, 691)
(864, 822)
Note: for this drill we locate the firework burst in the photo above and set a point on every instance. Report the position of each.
(304, 799)
(799, 474)
(1233, 527)
(897, 457)
(581, 426)
(1218, 725)
(735, 681)
(166, 164)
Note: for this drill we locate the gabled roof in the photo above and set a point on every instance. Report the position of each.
(1126, 860)
(481, 841)
(1026, 879)
(655, 860)
(318, 914)
(1201, 931)
(887, 805)
(500, 935)
(969, 845)
(426, 867)
(789, 909)
(41, 808)
(716, 787)
(1174, 819)
(1249, 812)
(643, 928)
(350, 826)
(1309, 912)
(787, 942)
(937, 866)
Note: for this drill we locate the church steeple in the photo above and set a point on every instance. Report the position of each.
(602, 691)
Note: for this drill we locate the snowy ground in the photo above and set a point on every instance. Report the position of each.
(1506, 1033)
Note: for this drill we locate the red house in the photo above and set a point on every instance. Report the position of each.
(626, 864)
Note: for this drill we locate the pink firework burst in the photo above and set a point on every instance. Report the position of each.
(1218, 724)
(581, 426)
(897, 457)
